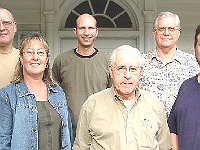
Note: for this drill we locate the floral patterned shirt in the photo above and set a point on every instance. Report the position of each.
(164, 79)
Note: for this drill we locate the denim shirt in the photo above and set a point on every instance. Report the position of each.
(19, 117)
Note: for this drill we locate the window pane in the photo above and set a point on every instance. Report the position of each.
(70, 22)
(123, 21)
(104, 22)
(98, 6)
(83, 8)
(113, 9)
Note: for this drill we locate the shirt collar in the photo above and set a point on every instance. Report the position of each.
(87, 56)
(118, 98)
(23, 89)
(178, 56)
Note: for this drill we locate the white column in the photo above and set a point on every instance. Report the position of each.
(148, 29)
(49, 31)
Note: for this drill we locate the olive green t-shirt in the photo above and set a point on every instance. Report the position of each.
(49, 127)
(80, 76)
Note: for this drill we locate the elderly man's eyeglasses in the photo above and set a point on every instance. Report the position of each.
(6, 23)
(162, 30)
(124, 69)
(30, 53)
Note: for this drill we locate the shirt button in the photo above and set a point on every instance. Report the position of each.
(129, 141)
(34, 130)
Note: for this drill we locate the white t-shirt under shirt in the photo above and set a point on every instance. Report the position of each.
(129, 104)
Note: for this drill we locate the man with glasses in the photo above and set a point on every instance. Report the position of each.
(167, 67)
(123, 117)
(8, 54)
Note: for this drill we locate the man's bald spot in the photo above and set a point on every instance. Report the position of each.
(4, 9)
(84, 16)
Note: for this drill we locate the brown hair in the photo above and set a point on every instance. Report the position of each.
(197, 32)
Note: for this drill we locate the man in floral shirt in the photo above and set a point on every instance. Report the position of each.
(167, 67)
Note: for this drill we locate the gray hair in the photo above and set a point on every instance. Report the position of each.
(166, 14)
(125, 49)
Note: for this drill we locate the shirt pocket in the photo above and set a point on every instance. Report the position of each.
(148, 135)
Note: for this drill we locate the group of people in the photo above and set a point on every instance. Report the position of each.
(95, 100)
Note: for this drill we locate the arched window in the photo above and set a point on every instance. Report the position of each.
(107, 13)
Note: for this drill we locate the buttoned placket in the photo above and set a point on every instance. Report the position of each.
(128, 118)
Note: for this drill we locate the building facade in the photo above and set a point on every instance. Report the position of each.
(119, 21)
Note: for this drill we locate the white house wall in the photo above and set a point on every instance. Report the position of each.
(40, 15)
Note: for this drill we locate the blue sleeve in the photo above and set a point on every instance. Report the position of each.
(70, 128)
(172, 120)
(6, 122)
(173, 117)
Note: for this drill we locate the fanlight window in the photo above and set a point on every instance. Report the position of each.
(107, 13)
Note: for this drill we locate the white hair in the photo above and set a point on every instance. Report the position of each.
(126, 49)
(166, 14)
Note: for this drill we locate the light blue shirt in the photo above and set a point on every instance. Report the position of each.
(19, 117)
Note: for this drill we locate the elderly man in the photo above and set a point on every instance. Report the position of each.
(123, 117)
(167, 67)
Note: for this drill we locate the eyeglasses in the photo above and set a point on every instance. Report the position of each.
(171, 30)
(6, 23)
(39, 52)
(123, 69)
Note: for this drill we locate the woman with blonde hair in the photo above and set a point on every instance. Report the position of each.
(33, 108)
